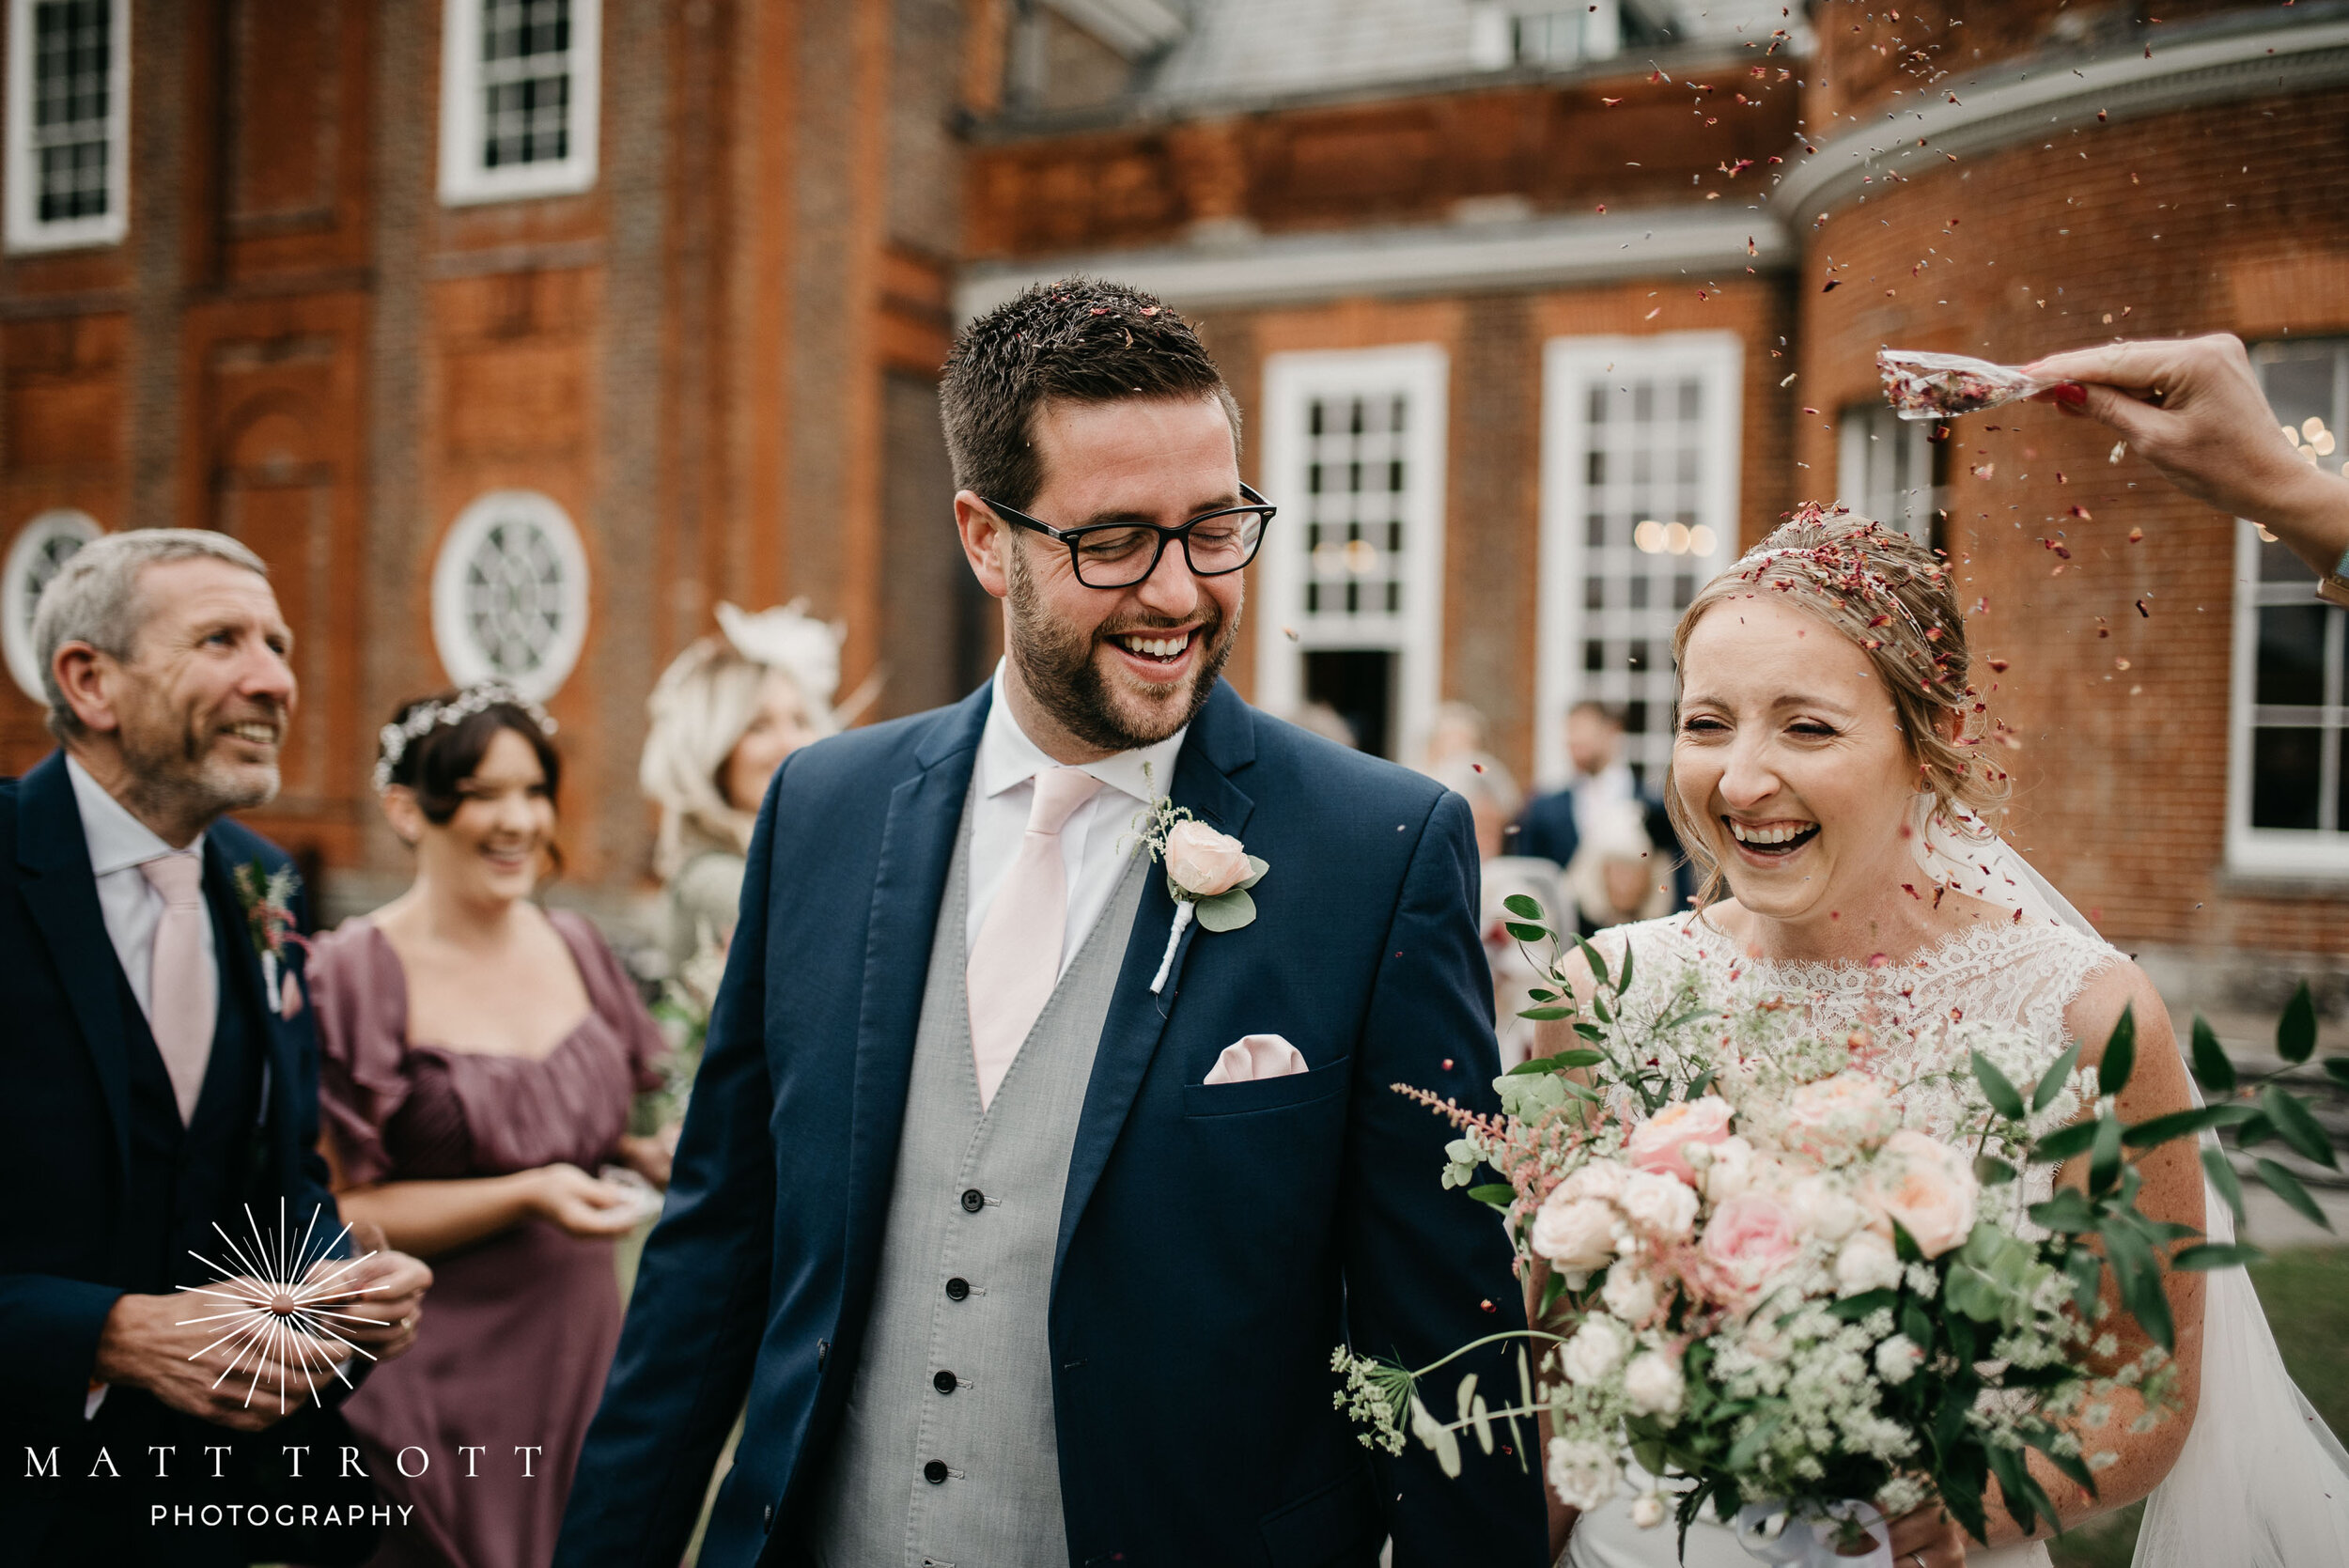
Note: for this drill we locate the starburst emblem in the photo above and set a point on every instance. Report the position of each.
(279, 1309)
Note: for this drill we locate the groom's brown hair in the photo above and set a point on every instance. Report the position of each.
(1080, 340)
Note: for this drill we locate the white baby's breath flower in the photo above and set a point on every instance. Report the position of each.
(1897, 1359)
(1653, 1384)
(1583, 1474)
(1596, 1349)
(1629, 1294)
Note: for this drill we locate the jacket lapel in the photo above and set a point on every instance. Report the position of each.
(908, 882)
(62, 895)
(1222, 742)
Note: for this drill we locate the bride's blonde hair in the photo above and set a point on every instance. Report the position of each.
(1891, 596)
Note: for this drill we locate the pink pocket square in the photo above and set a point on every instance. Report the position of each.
(1256, 1056)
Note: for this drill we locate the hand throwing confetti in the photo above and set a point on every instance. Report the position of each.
(1943, 386)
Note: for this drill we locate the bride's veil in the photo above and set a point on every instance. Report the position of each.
(2262, 1481)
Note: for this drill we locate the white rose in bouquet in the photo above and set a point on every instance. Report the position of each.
(1731, 1169)
(1825, 1208)
(1575, 1234)
(1838, 1116)
(1925, 1184)
(1582, 1474)
(1596, 1349)
(1661, 1206)
(1866, 1262)
(1629, 1294)
(1653, 1384)
(1602, 1179)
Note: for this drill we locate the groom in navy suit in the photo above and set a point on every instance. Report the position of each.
(1026, 1234)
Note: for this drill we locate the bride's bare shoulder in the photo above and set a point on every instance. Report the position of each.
(2113, 986)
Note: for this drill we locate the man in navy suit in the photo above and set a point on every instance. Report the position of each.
(159, 1077)
(1553, 825)
(1074, 1299)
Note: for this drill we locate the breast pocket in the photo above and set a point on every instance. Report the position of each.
(1266, 1093)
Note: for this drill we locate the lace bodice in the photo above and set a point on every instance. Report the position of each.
(2017, 977)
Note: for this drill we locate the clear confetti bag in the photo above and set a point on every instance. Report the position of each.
(1943, 386)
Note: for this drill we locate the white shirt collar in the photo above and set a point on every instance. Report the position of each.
(1007, 757)
(117, 840)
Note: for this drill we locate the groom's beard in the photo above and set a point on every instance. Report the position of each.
(1065, 678)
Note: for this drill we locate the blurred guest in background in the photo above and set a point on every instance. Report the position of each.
(1554, 825)
(1494, 802)
(160, 1075)
(481, 1054)
(1459, 730)
(1616, 877)
(1325, 721)
(724, 715)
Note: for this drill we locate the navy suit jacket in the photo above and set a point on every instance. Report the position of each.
(1215, 1242)
(65, 1106)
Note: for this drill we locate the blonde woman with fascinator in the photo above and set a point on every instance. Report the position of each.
(724, 715)
(1823, 775)
(478, 1059)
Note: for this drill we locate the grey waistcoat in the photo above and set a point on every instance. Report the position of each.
(961, 1388)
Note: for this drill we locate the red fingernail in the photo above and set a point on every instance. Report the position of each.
(2071, 395)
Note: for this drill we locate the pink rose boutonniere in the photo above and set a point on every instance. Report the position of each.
(267, 900)
(1207, 875)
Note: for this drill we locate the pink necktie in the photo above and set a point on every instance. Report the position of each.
(1016, 962)
(182, 990)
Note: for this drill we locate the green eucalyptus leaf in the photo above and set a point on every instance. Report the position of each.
(2185, 1124)
(1992, 1171)
(2052, 1082)
(2067, 1213)
(1589, 956)
(2214, 1069)
(2296, 1031)
(1622, 981)
(2221, 1172)
(1552, 1014)
(2215, 1255)
(1522, 906)
(1525, 933)
(2119, 1058)
(2338, 1067)
(2001, 1093)
(2255, 1129)
(2295, 1127)
(2064, 1143)
(1226, 911)
(2104, 1157)
(1853, 1308)
(1257, 867)
(1743, 1452)
(1494, 1193)
(1580, 1058)
(2015, 1483)
(2284, 1184)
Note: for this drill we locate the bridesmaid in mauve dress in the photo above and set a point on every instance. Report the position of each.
(479, 1057)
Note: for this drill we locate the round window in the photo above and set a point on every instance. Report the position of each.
(41, 546)
(510, 594)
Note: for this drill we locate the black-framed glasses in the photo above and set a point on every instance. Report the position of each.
(1120, 554)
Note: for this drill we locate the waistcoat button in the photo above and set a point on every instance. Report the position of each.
(935, 1472)
(957, 1288)
(945, 1382)
(972, 1200)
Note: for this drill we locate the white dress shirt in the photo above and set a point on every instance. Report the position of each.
(1594, 794)
(119, 844)
(1096, 841)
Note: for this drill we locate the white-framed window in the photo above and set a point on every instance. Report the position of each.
(1353, 568)
(2288, 780)
(40, 547)
(519, 95)
(510, 594)
(1548, 34)
(1640, 441)
(1886, 469)
(68, 132)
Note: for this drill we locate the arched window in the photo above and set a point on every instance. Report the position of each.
(510, 594)
(41, 546)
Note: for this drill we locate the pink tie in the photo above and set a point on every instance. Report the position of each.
(183, 991)
(1016, 962)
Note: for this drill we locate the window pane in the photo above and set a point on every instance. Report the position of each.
(527, 82)
(2291, 655)
(2285, 768)
(72, 54)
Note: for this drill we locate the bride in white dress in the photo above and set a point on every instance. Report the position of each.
(1824, 770)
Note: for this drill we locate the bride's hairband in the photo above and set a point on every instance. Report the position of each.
(1845, 571)
(394, 739)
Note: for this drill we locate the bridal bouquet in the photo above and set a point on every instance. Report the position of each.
(1779, 1300)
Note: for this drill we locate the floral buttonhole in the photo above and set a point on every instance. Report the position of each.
(267, 899)
(1207, 875)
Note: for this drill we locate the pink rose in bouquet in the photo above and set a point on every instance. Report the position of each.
(1838, 1116)
(1660, 1143)
(1926, 1186)
(1749, 1242)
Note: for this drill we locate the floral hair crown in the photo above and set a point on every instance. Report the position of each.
(393, 741)
(1840, 569)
